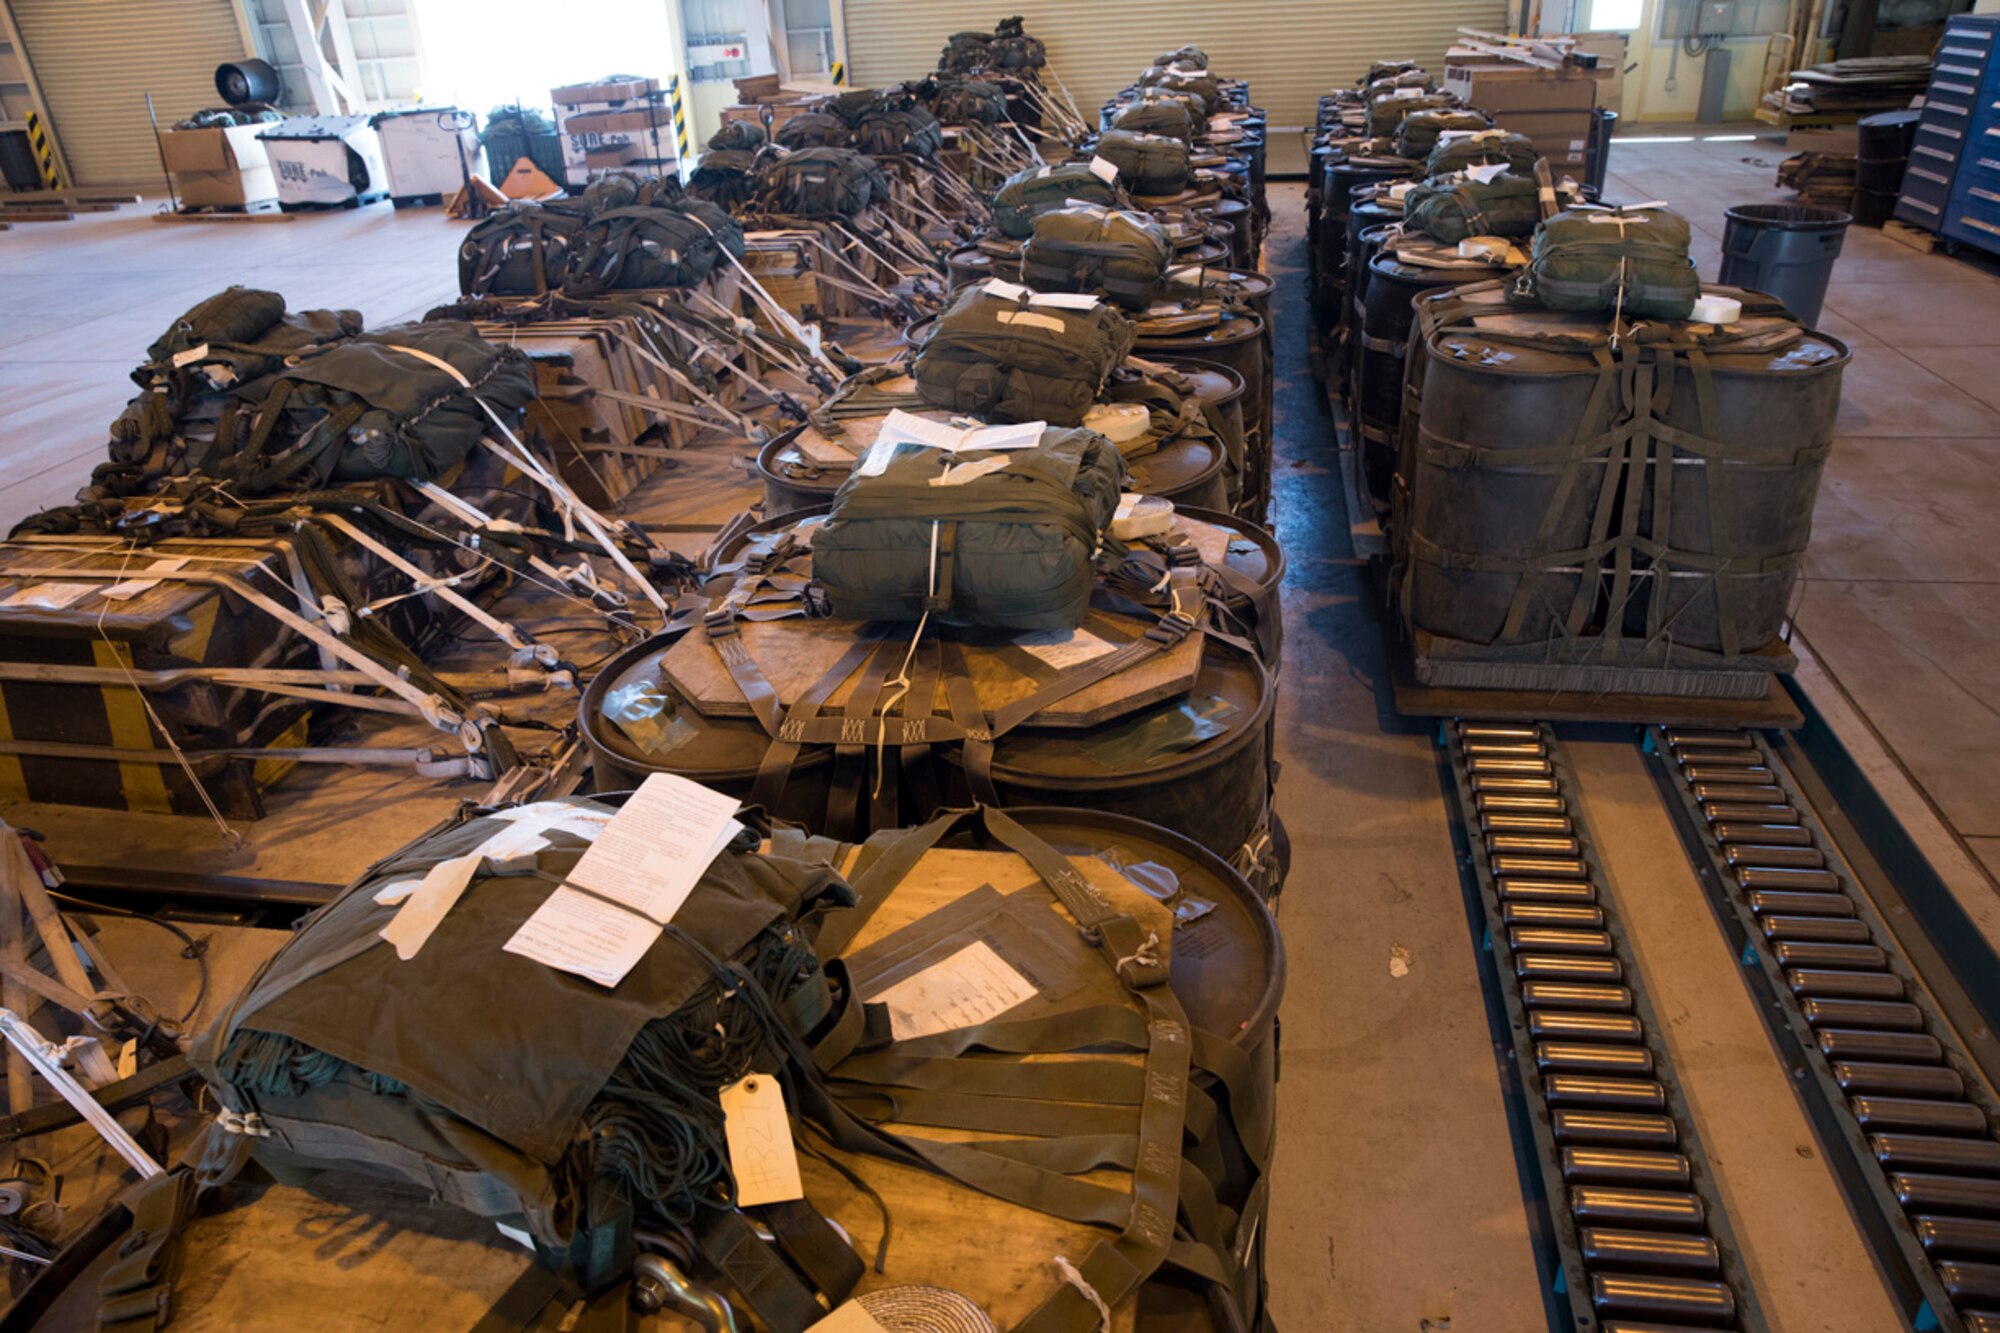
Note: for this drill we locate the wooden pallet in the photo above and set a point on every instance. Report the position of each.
(223, 215)
(1916, 238)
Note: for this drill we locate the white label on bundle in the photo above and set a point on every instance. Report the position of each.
(49, 596)
(1485, 172)
(424, 909)
(1065, 300)
(132, 587)
(575, 932)
(1043, 172)
(974, 985)
(1030, 319)
(1005, 290)
(957, 474)
(1104, 169)
(762, 1156)
(1408, 93)
(1063, 648)
(877, 461)
(901, 427)
(658, 844)
(1018, 435)
(528, 825)
(190, 356)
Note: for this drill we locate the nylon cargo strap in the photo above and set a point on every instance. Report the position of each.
(1113, 1270)
(136, 1292)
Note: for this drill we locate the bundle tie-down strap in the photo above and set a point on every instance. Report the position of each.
(136, 1292)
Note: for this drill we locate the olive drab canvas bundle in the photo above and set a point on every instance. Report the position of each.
(885, 131)
(738, 136)
(1456, 152)
(1452, 209)
(669, 245)
(822, 182)
(1171, 116)
(1011, 548)
(1631, 263)
(969, 102)
(520, 250)
(1118, 253)
(725, 177)
(1152, 165)
(814, 129)
(1419, 133)
(1387, 113)
(1033, 191)
(568, 1110)
(1007, 353)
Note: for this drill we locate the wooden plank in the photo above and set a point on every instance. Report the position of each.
(8, 207)
(794, 654)
(37, 215)
(1915, 238)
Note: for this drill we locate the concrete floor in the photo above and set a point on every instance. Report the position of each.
(1398, 1200)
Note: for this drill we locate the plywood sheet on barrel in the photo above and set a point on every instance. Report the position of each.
(794, 654)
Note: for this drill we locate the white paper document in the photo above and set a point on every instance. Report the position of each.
(1104, 169)
(1063, 648)
(974, 985)
(145, 579)
(49, 596)
(1009, 291)
(659, 843)
(597, 940)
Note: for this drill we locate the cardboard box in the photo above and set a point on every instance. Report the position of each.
(1500, 85)
(1844, 139)
(609, 91)
(584, 155)
(639, 118)
(421, 155)
(314, 158)
(611, 156)
(220, 168)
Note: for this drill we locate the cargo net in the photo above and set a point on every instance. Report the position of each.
(1656, 549)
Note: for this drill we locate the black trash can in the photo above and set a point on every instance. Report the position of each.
(1783, 250)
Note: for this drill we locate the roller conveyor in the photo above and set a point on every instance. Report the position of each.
(1905, 1113)
(1643, 1242)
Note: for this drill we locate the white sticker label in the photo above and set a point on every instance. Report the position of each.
(1104, 169)
(1063, 648)
(190, 356)
(49, 596)
(1066, 300)
(130, 588)
(425, 907)
(762, 1156)
(972, 986)
(574, 932)
(1486, 172)
(1017, 435)
(961, 473)
(1006, 291)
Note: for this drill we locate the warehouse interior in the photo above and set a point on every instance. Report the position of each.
(781, 665)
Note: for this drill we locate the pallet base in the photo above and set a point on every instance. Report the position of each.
(355, 201)
(1916, 238)
(432, 200)
(270, 214)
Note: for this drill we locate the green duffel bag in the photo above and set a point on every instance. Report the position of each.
(1420, 130)
(1633, 262)
(969, 102)
(1453, 209)
(1188, 59)
(1385, 114)
(725, 177)
(823, 182)
(1013, 549)
(1205, 86)
(1393, 69)
(738, 136)
(627, 189)
(1148, 164)
(1027, 194)
(813, 129)
(1172, 116)
(964, 51)
(1012, 48)
(522, 1094)
(1010, 357)
(850, 107)
(1455, 153)
(666, 245)
(891, 132)
(522, 249)
(1111, 252)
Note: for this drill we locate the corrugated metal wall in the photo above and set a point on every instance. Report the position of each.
(95, 60)
(1291, 51)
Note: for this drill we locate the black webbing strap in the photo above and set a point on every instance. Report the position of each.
(775, 769)
(771, 1290)
(809, 1241)
(850, 752)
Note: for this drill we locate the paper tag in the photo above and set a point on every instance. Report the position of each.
(515, 1234)
(1407, 94)
(849, 1318)
(427, 903)
(190, 356)
(528, 827)
(130, 588)
(574, 932)
(49, 596)
(1005, 290)
(972, 986)
(658, 844)
(762, 1156)
(901, 427)
(961, 473)
(877, 460)
(1062, 648)
(1485, 172)
(1032, 320)
(1016, 435)
(1066, 300)
(1104, 169)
